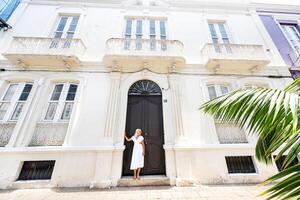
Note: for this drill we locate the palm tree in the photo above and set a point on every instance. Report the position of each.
(272, 115)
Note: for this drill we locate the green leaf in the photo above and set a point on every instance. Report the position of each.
(273, 116)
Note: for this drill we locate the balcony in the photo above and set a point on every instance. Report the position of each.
(234, 57)
(45, 52)
(134, 54)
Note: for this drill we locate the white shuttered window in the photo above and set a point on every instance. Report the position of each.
(14, 100)
(61, 102)
(227, 133)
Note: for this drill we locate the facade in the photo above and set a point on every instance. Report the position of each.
(76, 74)
(283, 27)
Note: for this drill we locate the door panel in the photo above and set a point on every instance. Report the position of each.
(145, 112)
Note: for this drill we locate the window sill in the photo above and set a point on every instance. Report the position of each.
(8, 122)
(53, 122)
(242, 174)
(26, 184)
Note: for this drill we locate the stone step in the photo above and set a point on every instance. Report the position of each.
(128, 181)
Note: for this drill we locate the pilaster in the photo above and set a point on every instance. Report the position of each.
(176, 107)
(115, 77)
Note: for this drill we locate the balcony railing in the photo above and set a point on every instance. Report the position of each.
(240, 56)
(45, 51)
(144, 47)
(129, 52)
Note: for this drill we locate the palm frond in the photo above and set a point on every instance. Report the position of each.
(272, 115)
(287, 188)
(294, 87)
(264, 112)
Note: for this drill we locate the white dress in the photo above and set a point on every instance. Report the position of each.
(137, 159)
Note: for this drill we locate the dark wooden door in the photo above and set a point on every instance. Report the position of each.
(145, 112)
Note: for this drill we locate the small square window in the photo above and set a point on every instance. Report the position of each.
(280, 161)
(37, 170)
(240, 164)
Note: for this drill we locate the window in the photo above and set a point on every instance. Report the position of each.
(65, 29)
(293, 35)
(147, 28)
(128, 27)
(61, 102)
(240, 164)
(14, 100)
(152, 35)
(139, 34)
(226, 132)
(280, 161)
(219, 36)
(163, 36)
(37, 170)
(216, 90)
(128, 34)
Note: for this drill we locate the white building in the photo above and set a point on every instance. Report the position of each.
(75, 74)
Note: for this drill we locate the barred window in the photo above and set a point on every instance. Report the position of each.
(280, 161)
(36, 170)
(240, 164)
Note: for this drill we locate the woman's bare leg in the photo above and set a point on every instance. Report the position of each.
(138, 173)
(134, 174)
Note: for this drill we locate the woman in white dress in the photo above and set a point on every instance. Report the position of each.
(138, 153)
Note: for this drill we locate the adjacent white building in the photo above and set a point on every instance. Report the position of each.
(76, 74)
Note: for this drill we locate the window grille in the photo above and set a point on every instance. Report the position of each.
(280, 161)
(37, 170)
(240, 164)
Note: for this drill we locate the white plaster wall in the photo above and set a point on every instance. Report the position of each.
(97, 24)
(196, 164)
(97, 160)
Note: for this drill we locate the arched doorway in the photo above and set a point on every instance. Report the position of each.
(144, 110)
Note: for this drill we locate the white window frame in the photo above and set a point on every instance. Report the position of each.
(288, 38)
(145, 27)
(218, 32)
(67, 25)
(61, 102)
(14, 100)
(217, 88)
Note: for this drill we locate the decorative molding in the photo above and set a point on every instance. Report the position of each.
(176, 100)
(6, 130)
(112, 104)
(49, 134)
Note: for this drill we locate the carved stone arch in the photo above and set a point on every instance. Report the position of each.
(144, 87)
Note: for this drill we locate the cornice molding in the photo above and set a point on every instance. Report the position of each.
(177, 5)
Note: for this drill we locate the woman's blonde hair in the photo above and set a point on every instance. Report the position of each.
(138, 130)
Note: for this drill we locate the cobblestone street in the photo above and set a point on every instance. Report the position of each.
(203, 192)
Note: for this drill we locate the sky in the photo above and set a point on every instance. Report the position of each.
(294, 2)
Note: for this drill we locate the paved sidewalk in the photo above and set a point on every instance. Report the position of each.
(203, 192)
